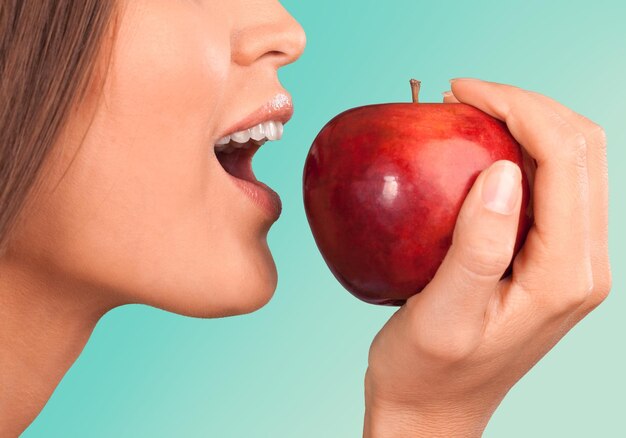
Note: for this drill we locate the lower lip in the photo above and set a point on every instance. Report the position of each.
(263, 196)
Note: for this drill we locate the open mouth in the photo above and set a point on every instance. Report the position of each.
(235, 151)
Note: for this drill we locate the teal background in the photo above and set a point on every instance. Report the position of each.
(295, 368)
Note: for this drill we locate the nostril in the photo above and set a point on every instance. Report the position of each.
(276, 54)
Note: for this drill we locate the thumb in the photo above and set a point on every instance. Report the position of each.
(482, 247)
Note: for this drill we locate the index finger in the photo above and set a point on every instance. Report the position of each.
(560, 193)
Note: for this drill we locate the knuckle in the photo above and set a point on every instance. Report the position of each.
(598, 133)
(575, 148)
(486, 258)
(516, 98)
(601, 294)
(568, 297)
(608, 281)
(578, 294)
(594, 132)
(602, 289)
(447, 349)
(526, 95)
(541, 99)
(573, 142)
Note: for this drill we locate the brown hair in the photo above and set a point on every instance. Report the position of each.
(48, 52)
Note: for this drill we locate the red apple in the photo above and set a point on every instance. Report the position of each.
(383, 186)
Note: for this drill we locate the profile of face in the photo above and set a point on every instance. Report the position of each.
(135, 206)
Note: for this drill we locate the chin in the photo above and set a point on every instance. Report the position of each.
(243, 297)
(221, 294)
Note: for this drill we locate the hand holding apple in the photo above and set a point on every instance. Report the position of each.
(444, 361)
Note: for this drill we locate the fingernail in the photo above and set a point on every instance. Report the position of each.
(501, 187)
(447, 94)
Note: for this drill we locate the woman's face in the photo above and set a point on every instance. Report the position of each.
(145, 212)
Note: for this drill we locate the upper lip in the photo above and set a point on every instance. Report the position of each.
(278, 109)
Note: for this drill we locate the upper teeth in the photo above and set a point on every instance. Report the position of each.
(271, 130)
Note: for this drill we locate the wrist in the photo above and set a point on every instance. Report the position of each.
(449, 422)
(387, 418)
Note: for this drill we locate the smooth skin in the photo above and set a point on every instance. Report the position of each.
(135, 208)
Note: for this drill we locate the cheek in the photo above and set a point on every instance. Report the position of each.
(149, 144)
(167, 75)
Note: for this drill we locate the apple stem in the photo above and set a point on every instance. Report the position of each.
(415, 88)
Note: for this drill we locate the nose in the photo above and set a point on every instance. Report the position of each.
(267, 31)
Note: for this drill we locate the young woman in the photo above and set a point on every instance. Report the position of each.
(112, 192)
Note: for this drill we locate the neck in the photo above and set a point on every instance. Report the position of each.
(44, 325)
